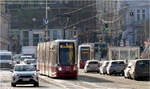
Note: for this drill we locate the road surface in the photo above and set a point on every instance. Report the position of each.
(84, 81)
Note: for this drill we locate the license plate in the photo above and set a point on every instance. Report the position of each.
(26, 79)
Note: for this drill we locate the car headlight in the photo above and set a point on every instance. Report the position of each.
(35, 74)
(16, 75)
(60, 68)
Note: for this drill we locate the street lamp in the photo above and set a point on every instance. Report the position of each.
(68, 18)
(46, 23)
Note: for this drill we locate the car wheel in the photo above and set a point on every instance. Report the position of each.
(13, 84)
(36, 84)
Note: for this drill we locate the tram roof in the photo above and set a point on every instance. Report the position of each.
(64, 40)
(85, 45)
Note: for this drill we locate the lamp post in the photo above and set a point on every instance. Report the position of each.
(65, 26)
(46, 24)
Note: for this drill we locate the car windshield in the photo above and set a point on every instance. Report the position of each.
(143, 63)
(118, 63)
(93, 62)
(24, 68)
(5, 57)
(22, 58)
(114, 63)
(31, 61)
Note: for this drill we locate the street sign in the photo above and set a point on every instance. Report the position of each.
(46, 21)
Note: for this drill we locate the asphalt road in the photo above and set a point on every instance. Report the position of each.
(84, 81)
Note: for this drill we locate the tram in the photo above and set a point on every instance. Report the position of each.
(85, 52)
(57, 58)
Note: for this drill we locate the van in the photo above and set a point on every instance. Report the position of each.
(140, 68)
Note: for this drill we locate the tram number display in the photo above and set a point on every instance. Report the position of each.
(66, 46)
(85, 49)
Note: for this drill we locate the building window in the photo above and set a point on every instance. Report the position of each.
(35, 39)
(26, 2)
(35, 3)
(54, 35)
(138, 15)
(138, 11)
(25, 38)
(143, 14)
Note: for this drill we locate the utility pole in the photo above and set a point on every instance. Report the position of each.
(46, 24)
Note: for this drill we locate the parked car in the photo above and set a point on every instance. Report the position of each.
(140, 69)
(103, 67)
(16, 60)
(24, 74)
(25, 57)
(116, 67)
(92, 66)
(30, 61)
(126, 71)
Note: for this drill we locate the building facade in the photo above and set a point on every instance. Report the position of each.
(3, 27)
(62, 14)
(137, 22)
(109, 13)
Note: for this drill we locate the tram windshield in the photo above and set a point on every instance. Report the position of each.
(66, 54)
(85, 53)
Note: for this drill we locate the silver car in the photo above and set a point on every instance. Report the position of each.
(126, 71)
(92, 66)
(24, 74)
(116, 67)
(103, 67)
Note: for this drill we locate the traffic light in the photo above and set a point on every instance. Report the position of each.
(131, 14)
(74, 27)
(106, 27)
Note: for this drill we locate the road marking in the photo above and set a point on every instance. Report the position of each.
(71, 84)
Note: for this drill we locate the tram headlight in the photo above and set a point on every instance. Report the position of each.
(60, 68)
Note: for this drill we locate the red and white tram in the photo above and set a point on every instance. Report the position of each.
(57, 58)
(85, 52)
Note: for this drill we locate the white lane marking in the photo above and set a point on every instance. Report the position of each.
(92, 84)
(71, 84)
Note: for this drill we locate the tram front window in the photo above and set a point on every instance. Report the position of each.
(66, 54)
(85, 53)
